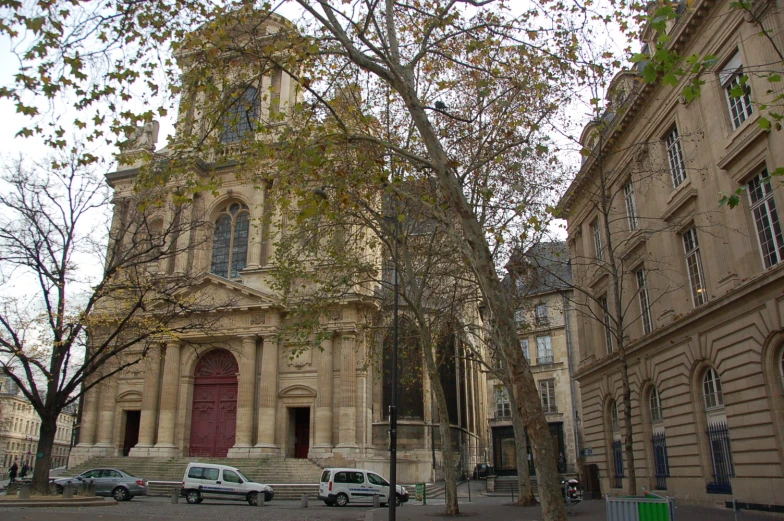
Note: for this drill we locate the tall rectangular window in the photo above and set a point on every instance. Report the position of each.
(608, 340)
(544, 350)
(541, 314)
(520, 317)
(736, 91)
(547, 395)
(524, 347)
(596, 231)
(631, 206)
(503, 408)
(675, 157)
(645, 303)
(691, 249)
(766, 219)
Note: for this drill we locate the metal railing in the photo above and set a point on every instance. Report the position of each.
(617, 448)
(721, 459)
(660, 460)
(545, 360)
(550, 409)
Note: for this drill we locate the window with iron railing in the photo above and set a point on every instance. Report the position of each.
(660, 461)
(691, 249)
(503, 407)
(721, 459)
(766, 219)
(544, 350)
(615, 424)
(675, 157)
(736, 90)
(617, 449)
(631, 206)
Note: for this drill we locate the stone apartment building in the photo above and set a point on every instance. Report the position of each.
(700, 284)
(19, 425)
(545, 320)
(240, 392)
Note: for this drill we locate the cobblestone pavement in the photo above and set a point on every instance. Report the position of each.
(160, 509)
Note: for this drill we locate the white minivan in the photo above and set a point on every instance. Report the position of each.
(205, 480)
(343, 486)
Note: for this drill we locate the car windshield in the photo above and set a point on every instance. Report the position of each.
(242, 475)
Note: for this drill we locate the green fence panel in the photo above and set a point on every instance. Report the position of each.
(654, 511)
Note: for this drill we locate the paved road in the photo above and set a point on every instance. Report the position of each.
(161, 509)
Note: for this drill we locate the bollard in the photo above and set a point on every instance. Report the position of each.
(91, 490)
(68, 491)
(376, 501)
(175, 496)
(52, 489)
(82, 488)
(24, 492)
(303, 503)
(260, 498)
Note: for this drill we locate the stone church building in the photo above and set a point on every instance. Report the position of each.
(238, 392)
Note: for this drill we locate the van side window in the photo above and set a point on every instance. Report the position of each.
(325, 476)
(357, 478)
(210, 474)
(230, 476)
(195, 472)
(377, 480)
(341, 477)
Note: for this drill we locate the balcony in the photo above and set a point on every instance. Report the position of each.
(551, 409)
(501, 417)
(545, 360)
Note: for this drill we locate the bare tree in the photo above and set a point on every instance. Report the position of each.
(64, 325)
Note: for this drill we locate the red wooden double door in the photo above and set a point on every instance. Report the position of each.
(214, 412)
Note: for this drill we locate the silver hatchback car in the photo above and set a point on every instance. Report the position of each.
(108, 482)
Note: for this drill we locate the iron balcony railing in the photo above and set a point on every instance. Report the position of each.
(545, 360)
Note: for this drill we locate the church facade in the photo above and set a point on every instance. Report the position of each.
(241, 391)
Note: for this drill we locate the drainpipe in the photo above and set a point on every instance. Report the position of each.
(567, 307)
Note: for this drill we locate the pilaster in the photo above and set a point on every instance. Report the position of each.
(149, 414)
(347, 432)
(246, 391)
(323, 435)
(168, 410)
(268, 396)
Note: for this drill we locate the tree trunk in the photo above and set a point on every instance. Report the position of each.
(45, 443)
(477, 253)
(526, 493)
(445, 432)
(627, 414)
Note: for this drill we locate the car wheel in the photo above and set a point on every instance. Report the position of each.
(121, 494)
(341, 500)
(193, 497)
(253, 499)
(398, 500)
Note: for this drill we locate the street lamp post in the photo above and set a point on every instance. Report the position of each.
(393, 397)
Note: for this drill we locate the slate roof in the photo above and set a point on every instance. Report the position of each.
(543, 268)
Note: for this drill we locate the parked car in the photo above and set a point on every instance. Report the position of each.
(108, 482)
(205, 480)
(481, 471)
(343, 486)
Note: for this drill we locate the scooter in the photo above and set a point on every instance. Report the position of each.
(571, 491)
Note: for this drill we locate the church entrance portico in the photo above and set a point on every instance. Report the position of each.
(214, 410)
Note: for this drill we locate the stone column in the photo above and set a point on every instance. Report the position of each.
(268, 395)
(322, 440)
(89, 418)
(168, 410)
(362, 394)
(108, 391)
(348, 394)
(256, 227)
(149, 414)
(246, 391)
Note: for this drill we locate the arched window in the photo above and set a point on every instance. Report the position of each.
(230, 242)
(781, 369)
(615, 424)
(711, 389)
(242, 114)
(655, 404)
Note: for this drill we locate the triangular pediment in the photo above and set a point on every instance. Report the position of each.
(214, 292)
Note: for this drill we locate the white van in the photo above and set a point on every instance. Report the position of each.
(205, 480)
(343, 486)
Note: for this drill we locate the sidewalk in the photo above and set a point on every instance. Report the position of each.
(499, 509)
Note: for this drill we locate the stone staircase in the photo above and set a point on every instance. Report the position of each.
(289, 477)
